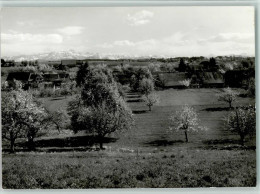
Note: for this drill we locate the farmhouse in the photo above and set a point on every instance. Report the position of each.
(64, 76)
(52, 80)
(54, 64)
(172, 80)
(27, 78)
(7, 63)
(207, 79)
(212, 80)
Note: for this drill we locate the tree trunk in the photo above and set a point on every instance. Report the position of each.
(31, 145)
(150, 108)
(12, 146)
(230, 105)
(186, 136)
(101, 144)
(242, 138)
(100, 139)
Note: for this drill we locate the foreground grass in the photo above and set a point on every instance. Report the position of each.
(179, 168)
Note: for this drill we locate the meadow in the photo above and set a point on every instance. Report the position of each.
(148, 155)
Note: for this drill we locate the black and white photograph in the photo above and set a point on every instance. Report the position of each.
(128, 97)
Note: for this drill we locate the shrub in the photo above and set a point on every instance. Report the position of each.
(185, 82)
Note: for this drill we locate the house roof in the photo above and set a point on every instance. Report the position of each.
(63, 75)
(34, 76)
(212, 78)
(173, 79)
(21, 76)
(51, 76)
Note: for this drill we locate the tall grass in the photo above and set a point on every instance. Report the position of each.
(179, 168)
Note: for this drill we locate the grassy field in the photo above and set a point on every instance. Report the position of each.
(149, 155)
(180, 168)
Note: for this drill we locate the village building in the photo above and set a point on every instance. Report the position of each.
(28, 79)
(52, 80)
(171, 80)
(64, 76)
(212, 80)
(54, 64)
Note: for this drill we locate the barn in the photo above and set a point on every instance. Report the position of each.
(171, 79)
(27, 78)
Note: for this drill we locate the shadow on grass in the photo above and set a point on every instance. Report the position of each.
(221, 141)
(139, 111)
(226, 144)
(218, 109)
(133, 96)
(78, 143)
(58, 98)
(135, 100)
(158, 143)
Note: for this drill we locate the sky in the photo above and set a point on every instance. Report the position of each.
(139, 31)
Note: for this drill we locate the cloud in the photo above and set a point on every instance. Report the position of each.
(186, 44)
(28, 38)
(140, 18)
(71, 30)
(124, 43)
(229, 37)
(25, 23)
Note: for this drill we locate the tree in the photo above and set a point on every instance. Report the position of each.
(160, 81)
(146, 86)
(105, 118)
(150, 100)
(24, 63)
(58, 118)
(228, 96)
(213, 64)
(100, 110)
(21, 117)
(154, 67)
(185, 120)
(82, 74)
(138, 75)
(2, 62)
(243, 122)
(182, 66)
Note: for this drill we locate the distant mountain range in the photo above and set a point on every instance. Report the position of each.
(71, 54)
